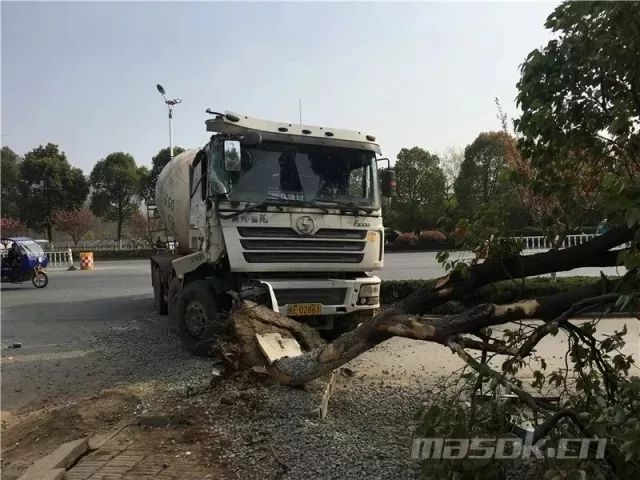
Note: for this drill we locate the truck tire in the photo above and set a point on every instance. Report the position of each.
(158, 293)
(173, 297)
(200, 323)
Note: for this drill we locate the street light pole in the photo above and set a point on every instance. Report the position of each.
(170, 131)
(170, 105)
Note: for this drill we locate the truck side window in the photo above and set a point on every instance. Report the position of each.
(217, 178)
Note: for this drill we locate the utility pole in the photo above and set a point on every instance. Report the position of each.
(300, 109)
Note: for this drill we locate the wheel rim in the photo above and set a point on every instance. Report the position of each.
(195, 319)
(39, 280)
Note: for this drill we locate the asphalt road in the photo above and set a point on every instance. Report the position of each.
(61, 327)
(403, 265)
(57, 325)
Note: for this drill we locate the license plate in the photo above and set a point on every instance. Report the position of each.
(300, 309)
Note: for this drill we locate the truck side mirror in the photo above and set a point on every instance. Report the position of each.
(388, 182)
(232, 157)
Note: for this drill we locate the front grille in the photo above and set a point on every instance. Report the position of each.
(325, 296)
(286, 232)
(301, 245)
(302, 257)
(285, 245)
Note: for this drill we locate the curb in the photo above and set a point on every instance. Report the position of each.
(55, 465)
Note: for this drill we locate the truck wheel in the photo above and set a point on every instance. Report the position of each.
(173, 297)
(158, 293)
(199, 321)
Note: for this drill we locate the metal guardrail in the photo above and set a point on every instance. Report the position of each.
(543, 243)
(59, 259)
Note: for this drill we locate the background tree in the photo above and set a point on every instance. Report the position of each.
(12, 227)
(115, 181)
(48, 182)
(158, 162)
(451, 162)
(147, 192)
(556, 206)
(139, 227)
(483, 185)
(482, 177)
(10, 171)
(421, 191)
(76, 223)
(580, 97)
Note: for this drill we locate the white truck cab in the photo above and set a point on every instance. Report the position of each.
(287, 214)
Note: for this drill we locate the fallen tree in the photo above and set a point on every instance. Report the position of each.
(410, 317)
(469, 331)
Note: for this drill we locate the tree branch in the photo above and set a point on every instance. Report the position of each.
(595, 253)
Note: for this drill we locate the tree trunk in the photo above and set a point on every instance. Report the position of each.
(120, 220)
(249, 319)
(49, 233)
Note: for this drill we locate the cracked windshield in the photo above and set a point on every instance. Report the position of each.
(306, 173)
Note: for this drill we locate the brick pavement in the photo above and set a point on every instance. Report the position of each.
(126, 457)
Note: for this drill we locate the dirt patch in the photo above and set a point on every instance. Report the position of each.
(31, 435)
(185, 444)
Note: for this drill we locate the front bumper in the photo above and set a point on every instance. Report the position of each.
(336, 296)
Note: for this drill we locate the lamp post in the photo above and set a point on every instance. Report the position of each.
(170, 105)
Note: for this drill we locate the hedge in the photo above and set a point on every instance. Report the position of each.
(499, 292)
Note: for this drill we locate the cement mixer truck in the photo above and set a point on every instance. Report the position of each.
(283, 214)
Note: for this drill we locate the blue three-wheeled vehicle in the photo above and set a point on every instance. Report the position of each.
(23, 260)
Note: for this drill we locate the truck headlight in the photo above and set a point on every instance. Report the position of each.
(371, 290)
(369, 294)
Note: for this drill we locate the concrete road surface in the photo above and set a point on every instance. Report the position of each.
(63, 328)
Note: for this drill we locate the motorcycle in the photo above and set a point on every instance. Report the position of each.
(27, 265)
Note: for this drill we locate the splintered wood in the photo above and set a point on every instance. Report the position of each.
(324, 405)
(274, 346)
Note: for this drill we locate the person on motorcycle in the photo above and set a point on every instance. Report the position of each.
(14, 258)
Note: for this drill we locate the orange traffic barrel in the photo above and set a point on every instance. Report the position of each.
(86, 260)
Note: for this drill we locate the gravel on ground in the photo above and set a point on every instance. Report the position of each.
(251, 426)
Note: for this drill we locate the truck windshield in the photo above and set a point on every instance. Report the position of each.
(306, 173)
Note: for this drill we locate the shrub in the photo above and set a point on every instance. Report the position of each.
(406, 239)
(431, 238)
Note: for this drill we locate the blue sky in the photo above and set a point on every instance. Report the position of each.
(83, 75)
